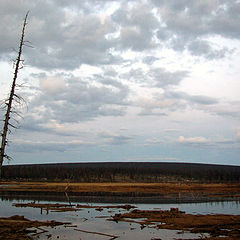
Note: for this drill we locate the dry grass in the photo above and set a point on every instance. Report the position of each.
(158, 188)
(19, 228)
(217, 225)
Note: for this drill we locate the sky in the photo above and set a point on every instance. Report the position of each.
(130, 81)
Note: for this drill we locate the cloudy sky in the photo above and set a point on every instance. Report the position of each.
(125, 80)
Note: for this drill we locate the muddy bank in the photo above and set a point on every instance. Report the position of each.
(127, 188)
(215, 225)
(56, 207)
(21, 228)
(117, 197)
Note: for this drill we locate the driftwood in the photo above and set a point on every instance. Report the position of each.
(41, 231)
(98, 233)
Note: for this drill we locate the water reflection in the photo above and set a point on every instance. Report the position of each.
(227, 207)
(91, 220)
(224, 207)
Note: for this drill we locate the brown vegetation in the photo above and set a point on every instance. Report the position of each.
(122, 192)
(153, 188)
(212, 227)
(216, 225)
(57, 207)
(19, 228)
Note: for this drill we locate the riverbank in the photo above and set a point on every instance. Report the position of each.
(20, 228)
(218, 226)
(123, 192)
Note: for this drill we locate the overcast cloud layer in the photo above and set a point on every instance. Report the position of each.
(125, 80)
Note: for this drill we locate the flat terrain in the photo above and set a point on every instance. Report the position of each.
(212, 227)
(167, 191)
(19, 228)
(157, 188)
(217, 226)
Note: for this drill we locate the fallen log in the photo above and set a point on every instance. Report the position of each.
(97, 233)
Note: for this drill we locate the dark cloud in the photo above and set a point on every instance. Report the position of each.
(32, 124)
(194, 99)
(204, 49)
(172, 101)
(110, 81)
(155, 77)
(137, 26)
(86, 35)
(185, 21)
(227, 113)
(133, 38)
(31, 147)
(136, 75)
(81, 41)
(60, 41)
(164, 78)
(119, 140)
(193, 17)
(110, 72)
(149, 60)
(227, 109)
(80, 101)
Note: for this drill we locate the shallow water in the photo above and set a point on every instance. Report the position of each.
(230, 207)
(89, 219)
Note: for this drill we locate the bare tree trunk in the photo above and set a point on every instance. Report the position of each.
(10, 100)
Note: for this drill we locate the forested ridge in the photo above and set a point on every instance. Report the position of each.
(123, 172)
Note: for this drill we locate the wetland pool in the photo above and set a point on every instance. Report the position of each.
(90, 223)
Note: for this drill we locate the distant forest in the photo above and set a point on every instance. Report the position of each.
(123, 172)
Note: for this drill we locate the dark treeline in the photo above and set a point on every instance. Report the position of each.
(123, 172)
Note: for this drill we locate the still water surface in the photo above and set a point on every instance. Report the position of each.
(94, 221)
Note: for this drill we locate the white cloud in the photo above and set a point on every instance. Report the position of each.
(52, 84)
(238, 133)
(152, 159)
(153, 141)
(158, 69)
(171, 130)
(193, 140)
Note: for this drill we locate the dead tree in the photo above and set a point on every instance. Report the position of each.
(13, 97)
